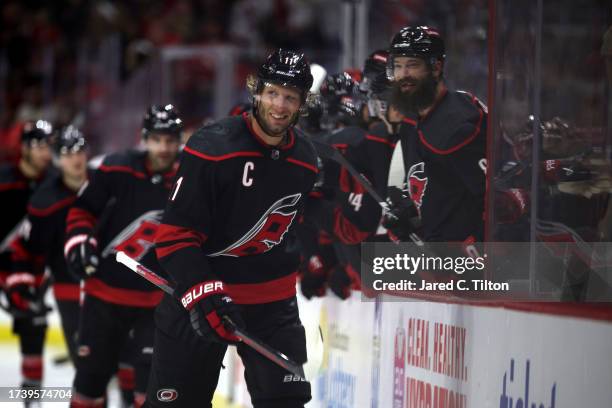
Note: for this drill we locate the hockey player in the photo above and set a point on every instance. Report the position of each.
(41, 245)
(120, 210)
(17, 183)
(349, 215)
(443, 136)
(227, 241)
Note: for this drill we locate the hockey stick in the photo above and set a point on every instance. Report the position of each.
(334, 154)
(268, 352)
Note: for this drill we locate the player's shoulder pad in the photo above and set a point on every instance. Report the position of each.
(347, 136)
(126, 159)
(460, 119)
(304, 148)
(7, 173)
(50, 196)
(220, 138)
(380, 135)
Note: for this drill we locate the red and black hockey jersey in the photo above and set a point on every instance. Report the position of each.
(15, 191)
(233, 209)
(445, 160)
(128, 201)
(42, 244)
(356, 214)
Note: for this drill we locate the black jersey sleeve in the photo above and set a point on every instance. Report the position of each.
(186, 223)
(32, 247)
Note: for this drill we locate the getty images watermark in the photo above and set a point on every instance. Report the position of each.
(407, 264)
(440, 268)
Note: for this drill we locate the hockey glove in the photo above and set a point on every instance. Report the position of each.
(81, 255)
(314, 277)
(208, 303)
(342, 280)
(21, 291)
(402, 218)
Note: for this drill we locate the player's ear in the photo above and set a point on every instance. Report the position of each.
(436, 69)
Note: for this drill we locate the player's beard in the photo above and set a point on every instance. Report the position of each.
(261, 115)
(412, 101)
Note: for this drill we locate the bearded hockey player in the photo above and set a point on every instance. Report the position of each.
(228, 243)
(125, 196)
(17, 183)
(443, 136)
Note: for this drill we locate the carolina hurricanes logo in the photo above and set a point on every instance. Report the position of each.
(267, 232)
(136, 239)
(417, 181)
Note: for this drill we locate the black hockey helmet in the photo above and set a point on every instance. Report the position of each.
(420, 42)
(70, 140)
(36, 132)
(162, 119)
(285, 68)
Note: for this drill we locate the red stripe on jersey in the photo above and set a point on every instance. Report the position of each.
(315, 194)
(286, 146)
(346, 231)
(222, 157)
(43, 212)
(301, 163)
(380, 140)
(324, 238)
(409, 121)
(170, 249)
(79, 217)
(170, 233)
(13, 186)
(67, 291)
(128, 297)
(458, 146)
(340, 145)
(122, 169)
(348, 183)
(265, 292)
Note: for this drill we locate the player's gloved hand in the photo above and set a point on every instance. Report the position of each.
(511, 205)
(81, 253)
(314, 277)
(344, 279)
(21, 290)
(208, 303)
(402, 219)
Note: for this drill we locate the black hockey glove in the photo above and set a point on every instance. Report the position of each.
(81, 252)
(314, 277)
(208, 304)
(24, 295)
(342, 280)
(402, 218)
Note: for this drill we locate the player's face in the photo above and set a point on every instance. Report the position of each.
(162, 150)
(74, 164)
(37, 154)
(415, 84)
(409, 72)
(278, 108)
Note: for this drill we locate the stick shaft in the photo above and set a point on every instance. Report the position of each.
(268, 352)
